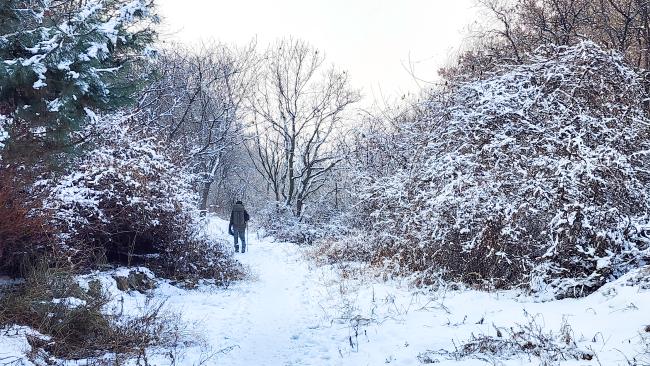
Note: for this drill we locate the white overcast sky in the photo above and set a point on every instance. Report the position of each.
(374, 40)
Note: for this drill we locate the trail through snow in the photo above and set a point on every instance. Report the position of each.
(293, 312)
(266, 320)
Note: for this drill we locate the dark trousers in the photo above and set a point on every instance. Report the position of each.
(240, 233)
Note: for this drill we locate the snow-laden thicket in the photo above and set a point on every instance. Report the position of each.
(536, 175)
(123, 173)
(126, 201)
(316, 223)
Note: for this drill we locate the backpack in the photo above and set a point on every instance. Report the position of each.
(239, 217)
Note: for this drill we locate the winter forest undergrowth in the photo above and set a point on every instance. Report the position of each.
(499, 217)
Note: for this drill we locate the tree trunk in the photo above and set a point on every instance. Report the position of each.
(645, 21)
(299, 206)
(291, 155)
(205, 192)
(336, 195)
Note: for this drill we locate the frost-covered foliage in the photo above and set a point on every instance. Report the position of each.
(279, 221)
(122, 190)
(126, 201)
(62, 62)
(536, 175)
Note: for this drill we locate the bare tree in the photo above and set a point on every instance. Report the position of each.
(196, 106)
(517, 27)
(298, 107)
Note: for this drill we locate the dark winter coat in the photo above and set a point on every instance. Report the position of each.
(238, 217)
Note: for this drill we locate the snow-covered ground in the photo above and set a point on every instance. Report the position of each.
(293, 312)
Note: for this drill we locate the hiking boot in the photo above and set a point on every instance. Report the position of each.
(237, 249)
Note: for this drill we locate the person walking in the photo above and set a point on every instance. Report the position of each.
(238, 221)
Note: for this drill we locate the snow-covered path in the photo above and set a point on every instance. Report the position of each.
(266, 320)
(292, 312)
(295, 313)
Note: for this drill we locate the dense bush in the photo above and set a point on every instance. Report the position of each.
(198, 258)
(279, 221)
(123, 199)
(535, 176)
(351, 247)
(127, 202)
(24, 230)
(314, 224)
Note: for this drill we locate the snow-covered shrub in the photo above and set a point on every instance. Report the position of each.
(536, 176)
(342, 237)
(127, 201)
(197, 258)
(279, 221)
(122, 198)
(314, 224)
(354, 246)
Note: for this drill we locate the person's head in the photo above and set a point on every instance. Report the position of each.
(239, 202)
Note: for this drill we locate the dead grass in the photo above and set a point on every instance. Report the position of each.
(338, 250)
(529, 340)
(52, 303)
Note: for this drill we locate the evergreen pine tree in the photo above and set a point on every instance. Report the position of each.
(63, 62)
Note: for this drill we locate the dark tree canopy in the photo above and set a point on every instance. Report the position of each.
(66, 62)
